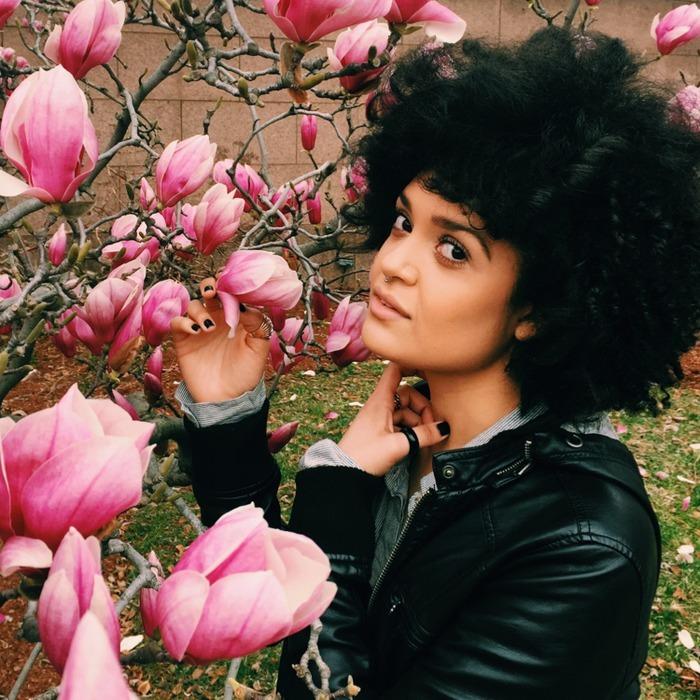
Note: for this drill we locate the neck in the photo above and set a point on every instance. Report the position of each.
(471, 403)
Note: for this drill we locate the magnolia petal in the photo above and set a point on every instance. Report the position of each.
(21, 552)
(232, 310)
(85, 485)
(11, 186)
(235, 543)
(316, 604)
(180, 603)
(337, 341)
(76, 558)
(103, 607)
(92, 670)
(58, 615)
(440, 22)
(256, 615)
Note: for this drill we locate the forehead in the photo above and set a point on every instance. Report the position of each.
(432, 203)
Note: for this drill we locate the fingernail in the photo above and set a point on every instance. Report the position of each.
(444, 428)
(208, 288)
(208, 323)
(195, 327)
(242, 307)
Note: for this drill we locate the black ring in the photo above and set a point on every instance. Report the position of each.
(413, 444)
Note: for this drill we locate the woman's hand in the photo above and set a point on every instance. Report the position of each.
(214, 366)
(373, 439)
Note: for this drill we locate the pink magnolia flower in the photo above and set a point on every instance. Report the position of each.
(77, 464)
(7, 7)
(239, 587)
(64, 340)
(120, 253)
(437, 20)
(183, 167)
(147, 197)
(48, 136)
(7, 54)
(305, 22)
(344, 342)
(214, 220)
(124, 403)
(152, 378)
(592, 3)
(245, 179)
(57, 245)
(127, 340)
(93, 671)
(258, 278)
(279, 437)
(9, 289)
(148, 597)
(677, 27)
(286, 336)
(74, 586)
(353, 182)
(684, 108)
(320, 304)
(110, 303)
(90, 36)
(163, 302)
(313, 209)
(308, 130)
(352, 46)
(685, 504)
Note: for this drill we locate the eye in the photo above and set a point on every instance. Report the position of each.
(401, 222)
(452, 251)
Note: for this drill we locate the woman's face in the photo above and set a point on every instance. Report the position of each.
(452, 285)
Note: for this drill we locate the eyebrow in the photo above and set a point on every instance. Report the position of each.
(452, 225)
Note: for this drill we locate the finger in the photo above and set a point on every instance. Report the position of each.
(251, 319)
(184, 324)
(207, 288)
(388, 384)
(406, 417)
(200, 315)
(412, 398)
(427, 415)
(430, 434)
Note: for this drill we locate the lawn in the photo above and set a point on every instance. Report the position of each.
(667, 451)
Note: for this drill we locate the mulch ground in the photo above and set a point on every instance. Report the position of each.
(53, 375)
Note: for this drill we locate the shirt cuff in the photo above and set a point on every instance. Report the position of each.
(208, 413)
(326, 453)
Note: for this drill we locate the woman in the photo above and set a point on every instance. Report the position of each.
(536, 217)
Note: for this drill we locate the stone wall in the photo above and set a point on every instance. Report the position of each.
(180, 107)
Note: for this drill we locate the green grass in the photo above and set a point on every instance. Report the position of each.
(660, 444)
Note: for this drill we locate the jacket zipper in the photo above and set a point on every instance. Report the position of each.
(396, 547)
(520, 467)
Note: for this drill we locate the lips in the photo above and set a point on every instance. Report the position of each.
(389, 301)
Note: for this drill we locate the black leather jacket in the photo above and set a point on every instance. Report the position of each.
(529, 572)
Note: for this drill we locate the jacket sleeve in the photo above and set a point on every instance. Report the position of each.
(333, 506)
(231, 466)
(559, 624)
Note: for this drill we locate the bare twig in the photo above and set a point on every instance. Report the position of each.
(14, 693)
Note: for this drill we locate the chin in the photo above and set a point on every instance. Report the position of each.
(382, 344)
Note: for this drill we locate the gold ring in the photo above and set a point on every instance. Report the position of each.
(397, 402)
(264, 330)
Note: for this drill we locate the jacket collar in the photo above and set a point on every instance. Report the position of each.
(511, 453)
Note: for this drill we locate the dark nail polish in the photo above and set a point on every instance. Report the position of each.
(208, 323)
(242, 307)
(208, 288)
(444, 428)
(195, 327)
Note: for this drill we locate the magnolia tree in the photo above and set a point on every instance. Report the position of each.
(105, 288)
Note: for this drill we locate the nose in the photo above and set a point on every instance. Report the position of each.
(397, 259)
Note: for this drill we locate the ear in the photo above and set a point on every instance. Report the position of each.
(525, 330)
(526, 327)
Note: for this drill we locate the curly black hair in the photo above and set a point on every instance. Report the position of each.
(567, 153)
